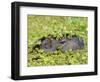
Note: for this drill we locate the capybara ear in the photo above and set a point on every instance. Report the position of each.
(36, 46)
(43, 38)
(67, 35)
(74, 36)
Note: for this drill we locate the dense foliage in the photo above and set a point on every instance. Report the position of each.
(57, 26)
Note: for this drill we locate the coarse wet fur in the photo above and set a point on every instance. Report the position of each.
(72, 43)
(50, 44)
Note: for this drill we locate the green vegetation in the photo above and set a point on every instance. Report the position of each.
(42, 26)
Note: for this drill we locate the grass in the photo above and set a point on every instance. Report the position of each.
(42, 26)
